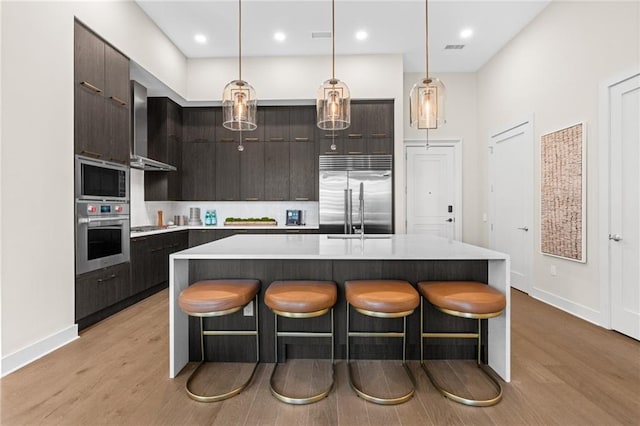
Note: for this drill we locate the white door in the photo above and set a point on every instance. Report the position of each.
(624, 211)
(511, 199)
(432, 186)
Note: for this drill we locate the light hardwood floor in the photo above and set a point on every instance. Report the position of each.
(565, 371)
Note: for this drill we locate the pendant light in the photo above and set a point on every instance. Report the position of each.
(239, 97)
(426, 100)
(333, 100)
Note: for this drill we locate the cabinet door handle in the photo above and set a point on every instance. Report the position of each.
(251, 139)
(226, 140)
(229, 199)
(292, 231)
(273, 139)
(90, 86)
(251, 199)
(157, 249)
(109, 278)
(118, 100)
(355, 152)
(301, 139)
(379, 152)
(302, 199)
(91, 153)
(355, 135)
(378, 135)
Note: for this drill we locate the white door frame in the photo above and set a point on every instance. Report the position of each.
(456, 145)
(529, 179)
(602, 239)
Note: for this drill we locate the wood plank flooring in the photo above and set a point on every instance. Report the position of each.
(565, 371)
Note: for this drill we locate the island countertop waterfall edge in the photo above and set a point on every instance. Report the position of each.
(320, 247)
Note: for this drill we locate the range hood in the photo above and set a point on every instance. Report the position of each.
(139, 159)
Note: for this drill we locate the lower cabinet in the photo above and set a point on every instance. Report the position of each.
(201, 236)
(97, 290)
(150, 258)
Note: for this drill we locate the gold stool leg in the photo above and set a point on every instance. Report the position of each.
(234, 391)
(377, 399)
(307, 399)
(462, 400)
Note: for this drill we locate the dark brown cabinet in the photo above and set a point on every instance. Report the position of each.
(150, 259)
(302, 171)
(100, 289)
(252, 172)
(276, 124)
(276, 171)
(202, 236)
(199, 124)
(326, 138)
(164, 126)
(302, 123)
(101, 94)
(227, 171)
(199, 167)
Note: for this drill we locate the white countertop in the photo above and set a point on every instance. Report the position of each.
(174, 228)
(320, 246)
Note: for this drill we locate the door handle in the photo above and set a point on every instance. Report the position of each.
(615, 237)
(449, 220)
(524, 228)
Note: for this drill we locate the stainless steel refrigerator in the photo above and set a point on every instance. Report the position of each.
(350, 182)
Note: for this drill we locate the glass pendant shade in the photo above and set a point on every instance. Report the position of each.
(426, 104)
(239, 105)
(333, 105)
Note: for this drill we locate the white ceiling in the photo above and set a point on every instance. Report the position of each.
(393, 27)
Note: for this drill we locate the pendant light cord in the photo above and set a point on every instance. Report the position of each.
(333, 40)
(426, 37)
(240, 40)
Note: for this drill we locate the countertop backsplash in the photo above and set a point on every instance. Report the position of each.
(145, 212)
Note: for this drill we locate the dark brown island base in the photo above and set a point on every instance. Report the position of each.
(269, 258)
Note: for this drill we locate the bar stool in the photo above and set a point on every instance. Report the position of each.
(301, 299)
(466, 299)
(381, 299)
(215, 298)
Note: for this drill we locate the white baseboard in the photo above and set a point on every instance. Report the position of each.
(27, 355)
(583, 312)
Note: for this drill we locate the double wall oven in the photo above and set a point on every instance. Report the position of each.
(102, 214)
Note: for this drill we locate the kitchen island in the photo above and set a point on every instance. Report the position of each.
(327, 257)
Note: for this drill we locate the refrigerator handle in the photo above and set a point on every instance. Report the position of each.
(346, 211)
(349, 211)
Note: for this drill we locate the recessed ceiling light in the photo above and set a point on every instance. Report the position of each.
(200, 38)
(362, 35)
(280, 36)
(466, 33)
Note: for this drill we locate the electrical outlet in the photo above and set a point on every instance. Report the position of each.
(248, 310)
(484, 217)
(553, 271)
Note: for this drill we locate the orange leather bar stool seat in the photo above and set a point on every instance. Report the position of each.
(466, 299)
(301, 299)
(382, 296)
(211, 296)
(216, 298)
(381, 299)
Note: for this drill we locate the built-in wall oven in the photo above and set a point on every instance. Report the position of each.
(102, 214)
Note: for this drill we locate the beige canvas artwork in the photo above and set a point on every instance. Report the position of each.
(562, 197)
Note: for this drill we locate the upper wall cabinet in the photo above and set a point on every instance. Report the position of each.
(101, 94)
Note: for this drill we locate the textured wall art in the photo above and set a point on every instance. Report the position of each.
(563, 193)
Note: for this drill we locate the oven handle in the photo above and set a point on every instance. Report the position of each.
(112, 219)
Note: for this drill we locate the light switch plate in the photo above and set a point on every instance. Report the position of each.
(248, 310)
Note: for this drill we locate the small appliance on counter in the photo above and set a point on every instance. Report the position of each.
(294, 217)
(194, 217)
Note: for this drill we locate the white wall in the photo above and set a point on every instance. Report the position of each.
(553, 69)
(461, 113)
(37, 158)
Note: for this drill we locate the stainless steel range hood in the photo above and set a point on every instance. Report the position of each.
(139, 159)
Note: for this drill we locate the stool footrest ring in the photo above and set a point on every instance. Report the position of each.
(380, 400)
(218, 397)
(468, 401)
(301, 400)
